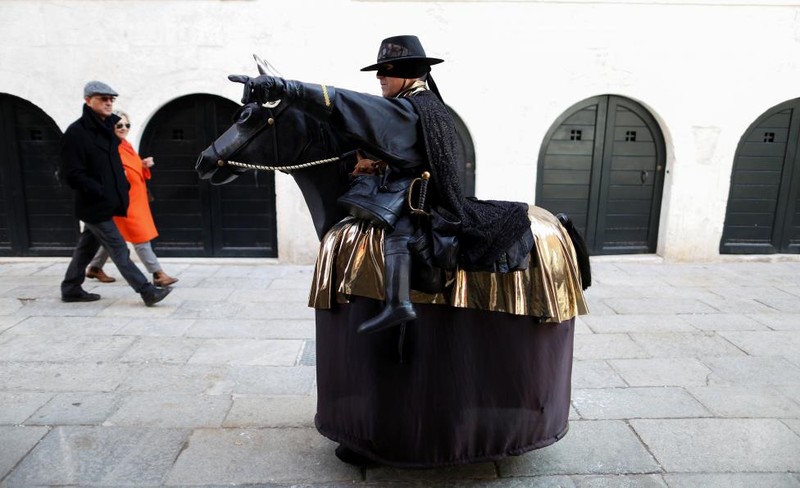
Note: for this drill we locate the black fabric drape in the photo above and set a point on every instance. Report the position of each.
(472, 386)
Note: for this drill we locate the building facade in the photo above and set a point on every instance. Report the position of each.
(664, 127)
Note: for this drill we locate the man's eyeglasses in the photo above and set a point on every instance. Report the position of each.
(106, 98)
(121, 125)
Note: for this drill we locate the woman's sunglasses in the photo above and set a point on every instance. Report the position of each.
(121, 125)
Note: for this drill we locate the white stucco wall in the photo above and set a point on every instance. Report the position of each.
(706, 70)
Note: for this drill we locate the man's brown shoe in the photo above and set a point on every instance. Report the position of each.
(99, 275)
(162, 279)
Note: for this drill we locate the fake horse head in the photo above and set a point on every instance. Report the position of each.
(281, 137)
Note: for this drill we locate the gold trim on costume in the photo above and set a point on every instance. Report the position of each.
(350, 262)
(325, 96)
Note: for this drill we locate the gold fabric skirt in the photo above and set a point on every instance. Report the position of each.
(350, 263)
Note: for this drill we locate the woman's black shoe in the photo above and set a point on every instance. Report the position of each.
(351, 457)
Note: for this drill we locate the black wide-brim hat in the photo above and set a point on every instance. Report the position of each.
(399, 50)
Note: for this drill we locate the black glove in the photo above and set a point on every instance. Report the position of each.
(318, 100)
(263, 89)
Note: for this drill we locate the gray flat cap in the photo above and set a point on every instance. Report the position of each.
(98, 88)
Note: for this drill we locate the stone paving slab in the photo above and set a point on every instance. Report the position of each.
(52, 306)
(263, 352)
(720, 445)
(659, 305)
(242, 456)
(170, 411)
(607, 346)
(295, 296)
(783, 303)
(724, 321)
(131, 306)
(792, 391)
(298, 380)
(746, 402)
(10, 306)
(733, 480)
(79, 408)
(7, 322)
(173, 378)
(685, 344)
(779, 321)
(595, 374)
(271, 411)
(630, 403)
(64, 348)
(15, 407)
(252, 329)
(766, 343)
(590, 447)
(598, 307)
(759, 293)
(15, 443)
(793, 424)
(145, 327)
(662, 371)
(615, 324)
(207, 295)
(56, 377)
(195, 309)
(741, 305)
(620, 481)
(115, 456)
(259, 311)
(485, 471)
(756, 371)
(174, 350)
(68, 326)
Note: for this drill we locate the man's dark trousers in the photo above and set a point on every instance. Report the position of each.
(93, 236)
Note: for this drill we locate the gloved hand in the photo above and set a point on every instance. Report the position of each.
(317, 100)
(262, 89)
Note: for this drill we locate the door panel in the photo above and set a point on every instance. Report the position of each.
(36, 214)
(762, 214)
(602, 163)
(195, 218)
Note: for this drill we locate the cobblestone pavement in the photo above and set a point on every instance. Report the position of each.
(685, 375)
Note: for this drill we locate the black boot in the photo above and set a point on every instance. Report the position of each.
(398, 308)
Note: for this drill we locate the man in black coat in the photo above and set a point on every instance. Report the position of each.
(91, 165)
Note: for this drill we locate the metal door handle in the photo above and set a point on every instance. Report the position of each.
(644, 176)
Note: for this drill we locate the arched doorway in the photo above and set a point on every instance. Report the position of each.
(36, 208)
(763, 214)
(195, 218)
(602, 162)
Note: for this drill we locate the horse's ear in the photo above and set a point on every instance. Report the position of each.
(262, 66)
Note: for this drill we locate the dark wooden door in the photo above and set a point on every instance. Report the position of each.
(36, 208)
(763, 214)
(602, 163)
(193, 217)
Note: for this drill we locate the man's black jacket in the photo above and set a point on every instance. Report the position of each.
(91, 165)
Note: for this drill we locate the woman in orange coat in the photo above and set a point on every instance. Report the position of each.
(138, 227)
